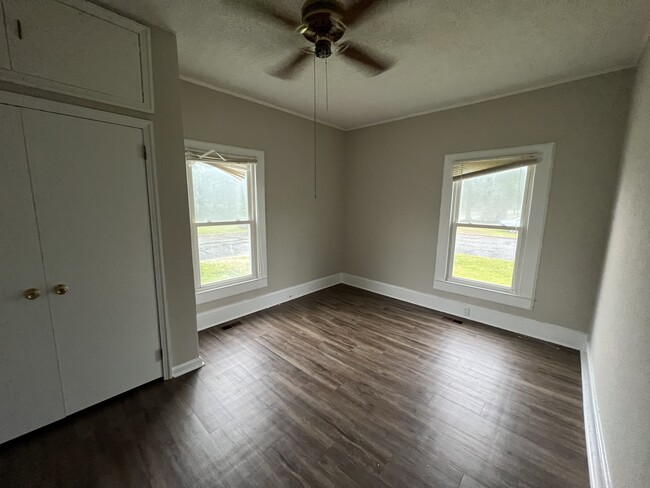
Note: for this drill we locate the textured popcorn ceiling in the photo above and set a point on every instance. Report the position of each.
(449, 52)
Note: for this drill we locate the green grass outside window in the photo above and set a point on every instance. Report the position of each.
(487, 270)
(224, 269)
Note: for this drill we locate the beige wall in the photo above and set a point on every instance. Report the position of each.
(393, 184)
(304, 239)
(168, 134)
(620, 339)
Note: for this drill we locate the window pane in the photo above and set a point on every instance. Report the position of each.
(485, 255)
(494, 199)
(224, 252)
(220, 192)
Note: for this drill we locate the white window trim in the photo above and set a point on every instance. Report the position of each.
(217, 291)
(523, 293)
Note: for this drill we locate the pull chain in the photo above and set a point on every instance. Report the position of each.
(315, 129)
(327, 90)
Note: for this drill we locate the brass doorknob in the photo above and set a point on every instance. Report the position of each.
(32, 293)
(61, 289)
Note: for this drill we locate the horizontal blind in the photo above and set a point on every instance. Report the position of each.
(233, 165)
(479, 167)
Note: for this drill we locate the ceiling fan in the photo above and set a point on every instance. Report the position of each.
(324, 22)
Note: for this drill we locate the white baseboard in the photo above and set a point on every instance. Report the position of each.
(598, 466)
(234, 311)
(519, 325)
(187, 366)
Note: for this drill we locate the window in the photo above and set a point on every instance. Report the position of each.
(226, 194)
(491, 223)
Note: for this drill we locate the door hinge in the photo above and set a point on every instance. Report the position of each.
(158, 355)
(19, 28)
(144, 151)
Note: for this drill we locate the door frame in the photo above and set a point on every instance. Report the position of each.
(45, 105)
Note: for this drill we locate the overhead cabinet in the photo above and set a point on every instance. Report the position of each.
(76, 48)
(80, 292)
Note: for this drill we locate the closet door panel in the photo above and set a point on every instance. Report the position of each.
(30, 387)
(91, 199)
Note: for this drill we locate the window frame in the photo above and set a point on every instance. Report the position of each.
(256, 222)
(531, 230)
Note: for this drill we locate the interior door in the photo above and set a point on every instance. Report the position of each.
(30, 387)
(90, 194)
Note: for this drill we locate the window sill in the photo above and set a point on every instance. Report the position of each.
(484, 294)
(205, 296)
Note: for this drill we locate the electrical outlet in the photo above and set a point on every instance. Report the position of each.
(466, 312)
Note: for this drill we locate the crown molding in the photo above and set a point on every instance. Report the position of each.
(210, 86)
(465, 103)
(474, 101)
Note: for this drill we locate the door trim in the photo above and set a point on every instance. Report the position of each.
(24, 101)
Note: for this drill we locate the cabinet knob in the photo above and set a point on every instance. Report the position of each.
(61, 289)
(32, 293)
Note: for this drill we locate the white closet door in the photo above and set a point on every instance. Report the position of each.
(30, 387)
(90, 191)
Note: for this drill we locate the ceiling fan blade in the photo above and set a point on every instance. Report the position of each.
(266, 9)
(290, 67)
(359, 9)
(371, 62)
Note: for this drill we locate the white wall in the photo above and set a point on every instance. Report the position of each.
(304, 234)
(393, 177)
(620, 339)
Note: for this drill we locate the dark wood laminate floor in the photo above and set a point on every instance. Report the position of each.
(339, 388)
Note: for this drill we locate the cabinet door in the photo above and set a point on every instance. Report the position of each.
(4, 49)
(76, 50)
(30, 388)
(90, 193)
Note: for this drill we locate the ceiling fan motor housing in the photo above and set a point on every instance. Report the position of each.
(332, 7)
(323, 24)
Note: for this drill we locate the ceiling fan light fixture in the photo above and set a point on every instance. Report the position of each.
(323, 48)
